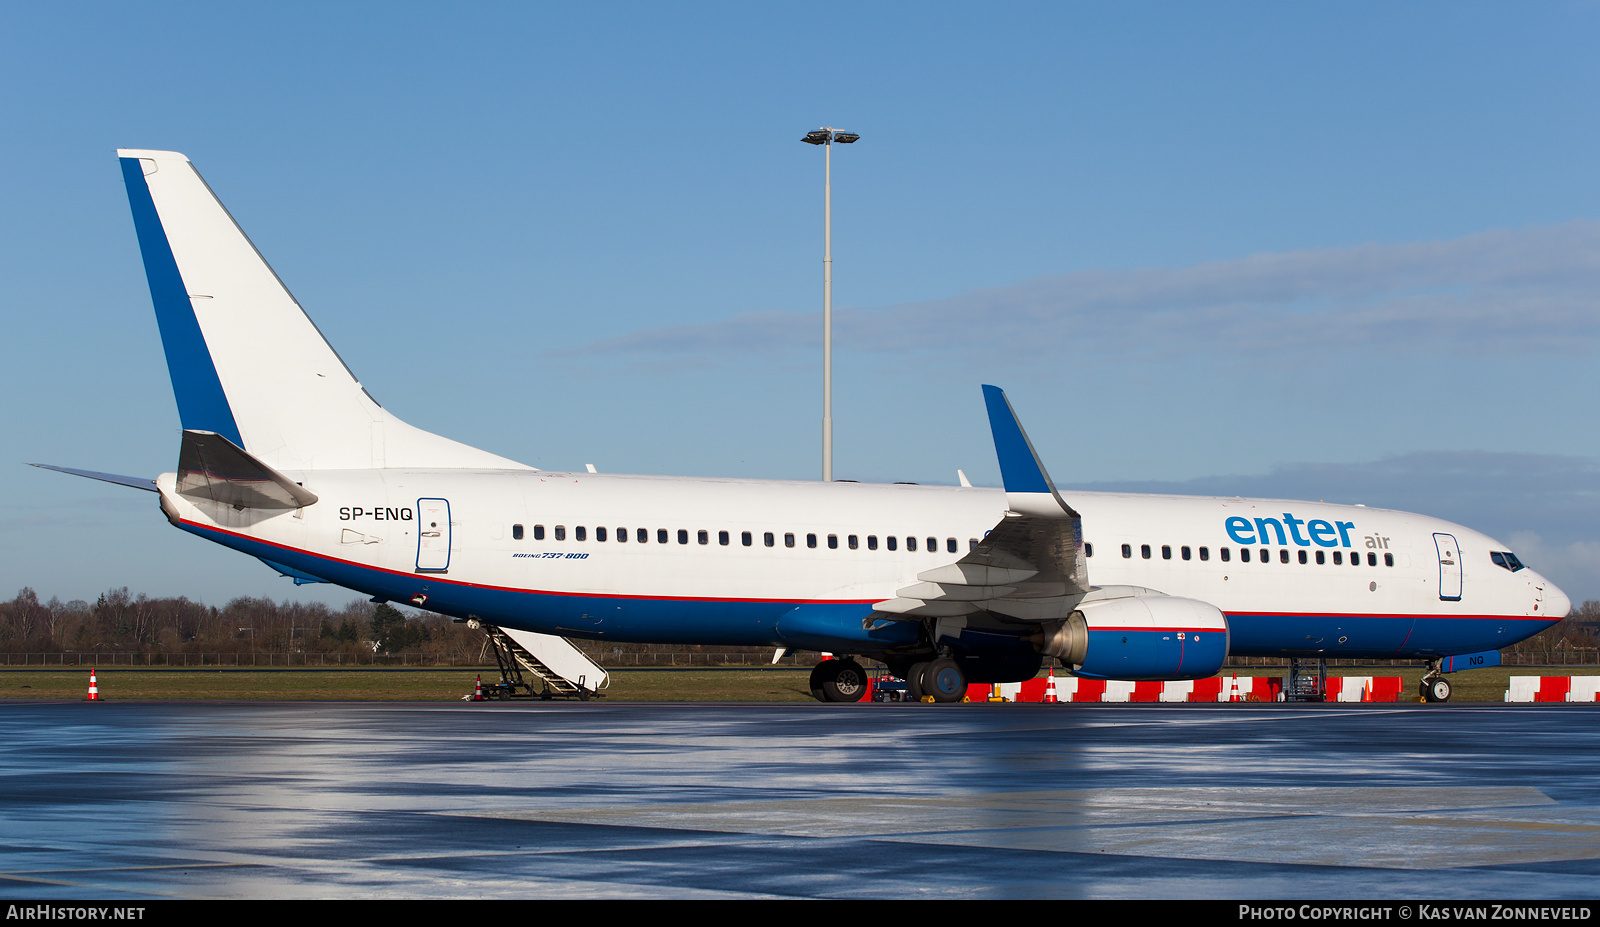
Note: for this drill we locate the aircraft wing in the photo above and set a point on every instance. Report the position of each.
(1030, 566)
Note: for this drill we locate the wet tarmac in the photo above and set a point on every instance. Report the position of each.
(146, 800)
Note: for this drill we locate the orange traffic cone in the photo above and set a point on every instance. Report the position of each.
(477, 692)
(1050, 686)
(94, 690)
(1233, 695)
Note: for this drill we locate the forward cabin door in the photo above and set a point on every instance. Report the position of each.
(433, 535)
(1449, 567)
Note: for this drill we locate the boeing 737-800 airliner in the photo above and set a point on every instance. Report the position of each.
(287, 458)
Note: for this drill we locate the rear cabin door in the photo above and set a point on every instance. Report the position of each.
(1449, 567)
(433, 535)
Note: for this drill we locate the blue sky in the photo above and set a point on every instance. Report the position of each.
(1344, 251)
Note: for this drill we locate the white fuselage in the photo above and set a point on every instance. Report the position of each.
(364, 533)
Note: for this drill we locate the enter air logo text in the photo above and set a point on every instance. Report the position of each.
(1273, 531)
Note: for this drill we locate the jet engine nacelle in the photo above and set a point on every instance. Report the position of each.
(1140, 637)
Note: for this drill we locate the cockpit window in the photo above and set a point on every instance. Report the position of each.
(1507, 559)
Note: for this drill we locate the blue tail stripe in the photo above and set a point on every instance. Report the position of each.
(202, 405)
(1020, 469)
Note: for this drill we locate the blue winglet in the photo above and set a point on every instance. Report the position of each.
(1020, 468)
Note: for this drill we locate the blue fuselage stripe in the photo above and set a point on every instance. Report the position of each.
(728, 621)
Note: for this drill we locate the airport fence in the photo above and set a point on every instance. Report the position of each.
(157, 658)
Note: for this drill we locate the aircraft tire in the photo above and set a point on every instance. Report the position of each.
(913, 678)
(847, 682)
(944, 680)
(819, 674)
(1436, 691)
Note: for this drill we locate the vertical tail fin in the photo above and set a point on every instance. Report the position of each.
(246, 361)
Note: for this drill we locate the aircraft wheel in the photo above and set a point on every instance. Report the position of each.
(1437, 691)
(819, 673)
(913, 678)
(944, 680)
(847, 682)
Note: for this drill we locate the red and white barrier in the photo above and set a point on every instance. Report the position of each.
(1553, 689)
(1214, 689)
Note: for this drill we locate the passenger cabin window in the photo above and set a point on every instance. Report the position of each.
(516, 532)
(622, 535)
(1388, 559)
(1338, 558)
(1302, 556)
(702, 536)
(788, 540)
(891, 542)
(561, 532)
(933, 545)
(911, 543)
(811, 541)
(1166, 552)
(1321, 558)
(538, 532)
(746, 538)
(1244, 555)
(1144, 551)
(1222, 552)
(951, 546)
(722, 538)
(872, 542)
(1127, 551)
(1283, 556)
(599, 534)
(661, 535)
(580, 533)
(1372, 559)
(1205, 553)
(833, 542)
(644, 535)
(851, 540)
(1088, 550)
(683, 535)
(1187, 554)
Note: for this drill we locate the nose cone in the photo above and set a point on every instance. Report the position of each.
(1556, 604)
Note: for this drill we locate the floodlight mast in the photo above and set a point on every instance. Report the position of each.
(825, 137)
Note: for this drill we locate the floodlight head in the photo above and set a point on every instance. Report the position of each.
(819, 137)
(845, 138)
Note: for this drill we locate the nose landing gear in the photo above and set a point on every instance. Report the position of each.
(1434, 687)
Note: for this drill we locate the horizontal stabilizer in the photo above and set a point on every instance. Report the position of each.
(212, 467)
(135, 481)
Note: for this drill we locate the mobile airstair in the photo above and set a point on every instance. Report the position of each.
(527, 659)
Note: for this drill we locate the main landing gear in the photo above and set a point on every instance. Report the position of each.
(941, 679)
(839, 681)
(1434, 687)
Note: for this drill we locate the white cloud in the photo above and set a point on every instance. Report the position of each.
(1535, 289)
